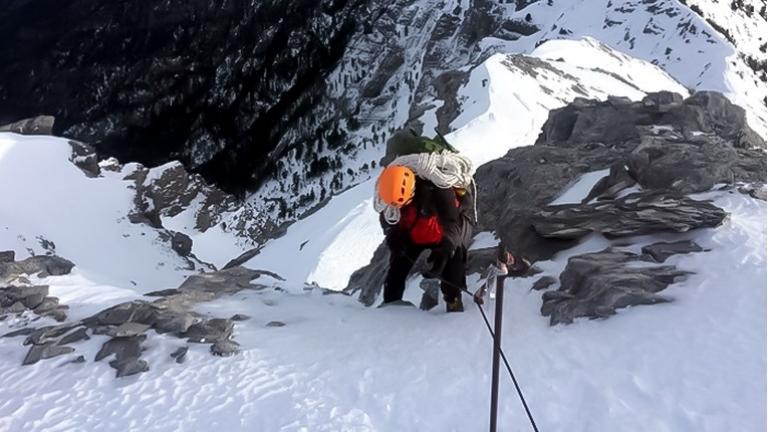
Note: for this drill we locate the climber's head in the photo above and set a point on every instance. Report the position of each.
(397, 185)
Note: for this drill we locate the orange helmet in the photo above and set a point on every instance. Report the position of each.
(397, 184)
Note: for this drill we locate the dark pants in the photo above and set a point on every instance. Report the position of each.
(453, 276)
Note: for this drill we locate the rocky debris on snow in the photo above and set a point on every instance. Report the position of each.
(595, 285)
(127, 324)
(665, 146)
(169, 189)
(639, 213)
(40, 125)
(275, 324)
(127, 352)
(181, 243)
(755, 190)
(660, 251)
(240, 317)
(180, 355)
(84, 157)
(17, 299)
(225, 348)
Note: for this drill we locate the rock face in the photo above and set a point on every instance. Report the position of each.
(635, 214)
(127, 324)
(596, 284)
(664, 145)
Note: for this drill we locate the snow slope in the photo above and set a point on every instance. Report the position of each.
(692, 365)
(696, 364)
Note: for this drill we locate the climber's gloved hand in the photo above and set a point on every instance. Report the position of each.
(517, 265)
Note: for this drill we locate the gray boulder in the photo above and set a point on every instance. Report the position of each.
(595, 285)
(660, 251)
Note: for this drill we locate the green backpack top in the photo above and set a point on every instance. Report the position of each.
(406, 141)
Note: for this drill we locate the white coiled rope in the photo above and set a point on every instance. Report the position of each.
(445, 170)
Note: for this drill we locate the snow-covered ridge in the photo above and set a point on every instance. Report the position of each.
(429, 43)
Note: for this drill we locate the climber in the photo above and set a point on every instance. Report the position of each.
(425, 203)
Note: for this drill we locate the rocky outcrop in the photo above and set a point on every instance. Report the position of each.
(595, 285)
(127, 324)
(635, 214)
(40, 265)
(660, 251)
(17, 299)
(40, 125)
(664, 146)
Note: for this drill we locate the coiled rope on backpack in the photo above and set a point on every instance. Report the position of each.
(445, 170)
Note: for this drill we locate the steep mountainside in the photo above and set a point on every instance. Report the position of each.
(297, 100)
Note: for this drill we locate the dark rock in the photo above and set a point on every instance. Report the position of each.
(244, 258)
(21, 332)
(15, 308)
(240, 317)
(123, 348)
(123, 312)
(180, 355)
(215, 329)
(7, 256)
(129, 366)
(78, 335)
(596, 284)
(77, 360)
(543, 283)
(84, 157)
(635, 214)
(225, 348)
(607, 187)
(663, 250)
(46, 351)
(163, 293)
(176, 323)
(181, 243)
(149, 217)
(40, 125)
(26, 294)
(48, 304)
(128, 329)
(222, 282)
(275, 324)
(41, 265)
(59, 313)
(50, 334)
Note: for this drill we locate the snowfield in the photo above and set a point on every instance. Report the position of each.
(696, 364)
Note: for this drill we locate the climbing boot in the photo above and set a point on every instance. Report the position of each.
(454, 306)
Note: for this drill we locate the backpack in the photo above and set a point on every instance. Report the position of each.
(407, 141)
